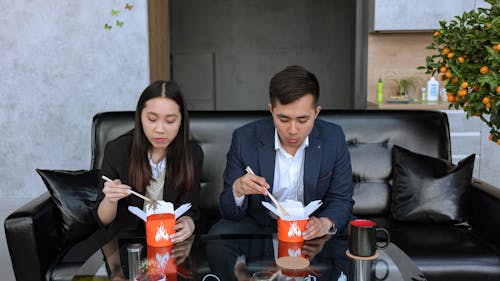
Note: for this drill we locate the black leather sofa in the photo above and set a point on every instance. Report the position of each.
(443, 251)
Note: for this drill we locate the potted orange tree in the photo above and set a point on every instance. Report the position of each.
(468, 61)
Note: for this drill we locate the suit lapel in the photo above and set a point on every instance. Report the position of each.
(267, 156)
(312, 164)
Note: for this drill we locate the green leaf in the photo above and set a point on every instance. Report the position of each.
(115, 12)
(119, 23)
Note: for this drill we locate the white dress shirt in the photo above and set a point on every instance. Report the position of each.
(288, 181)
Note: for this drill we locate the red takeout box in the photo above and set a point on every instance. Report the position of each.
(160, 222)
(290, 228)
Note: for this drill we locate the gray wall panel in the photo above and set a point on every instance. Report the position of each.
(252, 40)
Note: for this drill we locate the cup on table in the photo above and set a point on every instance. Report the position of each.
(362, 237)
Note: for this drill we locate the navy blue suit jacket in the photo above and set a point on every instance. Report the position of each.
(327, 171)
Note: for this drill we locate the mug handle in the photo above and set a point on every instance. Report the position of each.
(387, 236)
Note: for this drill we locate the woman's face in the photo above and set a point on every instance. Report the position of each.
(161, 120)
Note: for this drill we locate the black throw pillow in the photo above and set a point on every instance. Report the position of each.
(428, 189)
(74, 193)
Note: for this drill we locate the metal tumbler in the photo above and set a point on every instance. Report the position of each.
(134, 254)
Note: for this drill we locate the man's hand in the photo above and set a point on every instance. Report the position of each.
(317, 227)
(250, 184)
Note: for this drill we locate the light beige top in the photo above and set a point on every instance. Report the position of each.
(155, 188)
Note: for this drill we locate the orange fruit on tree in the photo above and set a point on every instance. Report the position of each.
(498, 141)
(486, 100)
(496, 47)
(464, 85)
(487, 105)
(451, 99)
(498, 89)
(443, 69)
(484, 69)
(436, 33)
(490, 137)
(446, 51)
(462, 93)
(448, 74)
(461, 59)
(451, 55)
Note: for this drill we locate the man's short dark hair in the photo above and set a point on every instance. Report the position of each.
(291, 84)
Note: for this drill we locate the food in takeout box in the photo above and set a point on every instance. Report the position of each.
(290, 227)
(160, 221)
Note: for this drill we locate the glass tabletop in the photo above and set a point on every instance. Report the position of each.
(243, 257)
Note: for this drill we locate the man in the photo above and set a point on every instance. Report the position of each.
(294, 156)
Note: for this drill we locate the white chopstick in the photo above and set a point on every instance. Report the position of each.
(131, 191)
(250, 171)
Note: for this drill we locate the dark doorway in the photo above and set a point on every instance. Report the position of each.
(225, 51)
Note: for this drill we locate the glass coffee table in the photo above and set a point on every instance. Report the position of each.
(246, 257)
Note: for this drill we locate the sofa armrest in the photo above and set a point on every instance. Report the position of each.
(33, 235)
(483, 207)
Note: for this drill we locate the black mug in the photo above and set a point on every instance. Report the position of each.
(363, 239)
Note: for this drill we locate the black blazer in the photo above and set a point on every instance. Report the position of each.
(115, 165)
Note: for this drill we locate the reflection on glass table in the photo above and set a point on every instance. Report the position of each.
(253, 257)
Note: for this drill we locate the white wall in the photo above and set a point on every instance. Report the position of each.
(59, 67)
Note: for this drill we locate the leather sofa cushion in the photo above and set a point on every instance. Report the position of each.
(428, 189)
(444, 251)
(74, 193)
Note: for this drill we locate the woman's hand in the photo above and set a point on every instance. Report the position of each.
(115, 190)
(184, 227)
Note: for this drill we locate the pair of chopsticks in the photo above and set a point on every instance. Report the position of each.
(154, 202)
(278, 205)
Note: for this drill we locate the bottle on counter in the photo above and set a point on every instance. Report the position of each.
(432, 90)
(380, 91)
(424, 95)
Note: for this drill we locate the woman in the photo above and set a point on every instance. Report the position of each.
(155, 159)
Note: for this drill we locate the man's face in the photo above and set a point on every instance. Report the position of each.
(294, 121)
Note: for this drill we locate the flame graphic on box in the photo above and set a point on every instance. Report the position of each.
(294, 230)
(161, 233)
(162, 260)
(294, 253)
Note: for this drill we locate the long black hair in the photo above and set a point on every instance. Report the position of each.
(179, 168)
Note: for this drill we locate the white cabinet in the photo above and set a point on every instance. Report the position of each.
(416, 15)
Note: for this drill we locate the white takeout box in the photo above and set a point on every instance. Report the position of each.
(162, 208)
(295, 208)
